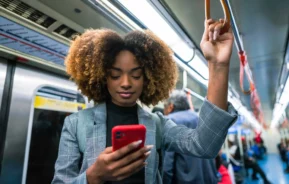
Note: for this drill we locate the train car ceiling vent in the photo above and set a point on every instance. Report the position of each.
(65, 31)
(27, 12)
(35, 16)
(26, 32)
(30, 43)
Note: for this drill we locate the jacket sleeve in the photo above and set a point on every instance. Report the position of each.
(66, 166)
(206, 140)
(168, 167)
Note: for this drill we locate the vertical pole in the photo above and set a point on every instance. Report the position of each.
(247, 141)
(227, 150)
(240, 141)
(185, 79)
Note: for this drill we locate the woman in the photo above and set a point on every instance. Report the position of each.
(115, 72)
(223, 173)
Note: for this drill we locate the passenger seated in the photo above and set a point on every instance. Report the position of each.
(263, 148)
(237, 164)
(283, 151)
(279, 145)
(259, 150)
(256, 149)
(249, 162)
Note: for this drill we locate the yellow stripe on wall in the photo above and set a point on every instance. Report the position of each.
(57, 105)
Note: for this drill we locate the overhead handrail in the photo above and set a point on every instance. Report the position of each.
(227, 17)
(191, 93)
(194, 94)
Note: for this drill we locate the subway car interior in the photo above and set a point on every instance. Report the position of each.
(36, 94)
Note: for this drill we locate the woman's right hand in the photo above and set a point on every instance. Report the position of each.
(118, 165)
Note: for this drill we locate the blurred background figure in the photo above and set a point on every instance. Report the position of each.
(284, 153)
(224, 175)
(180, 168)
(248, 159)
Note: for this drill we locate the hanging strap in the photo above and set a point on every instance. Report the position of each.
(189, 97)
(244, 66)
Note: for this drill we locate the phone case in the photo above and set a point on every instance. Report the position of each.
(123, 135)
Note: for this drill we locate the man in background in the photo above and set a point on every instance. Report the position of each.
(180, 168)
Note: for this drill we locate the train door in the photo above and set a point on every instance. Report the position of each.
(3, 101)
(39, 101)
(3, 71)
(51, 106)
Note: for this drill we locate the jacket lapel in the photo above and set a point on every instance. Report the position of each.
(96, 133)
(96, 138)
(146, 120)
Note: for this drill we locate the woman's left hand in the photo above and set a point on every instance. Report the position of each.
(217, 48)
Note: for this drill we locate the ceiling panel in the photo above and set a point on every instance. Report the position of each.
(87, 18)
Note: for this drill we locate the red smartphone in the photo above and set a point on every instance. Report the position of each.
(123, 135)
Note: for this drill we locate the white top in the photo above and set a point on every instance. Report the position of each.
(233, 149)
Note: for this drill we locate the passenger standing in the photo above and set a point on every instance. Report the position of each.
(181, 168)
(116, 72)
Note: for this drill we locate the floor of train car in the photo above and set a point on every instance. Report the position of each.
(274, 169)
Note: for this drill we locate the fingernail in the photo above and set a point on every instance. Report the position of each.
(215, 35)
(148, 153)
(137, 143)
(149, 147)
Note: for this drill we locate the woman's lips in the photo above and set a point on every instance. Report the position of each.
(125, 94)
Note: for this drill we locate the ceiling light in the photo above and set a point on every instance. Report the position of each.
(280, 105)
(243, 111)
(142, 10)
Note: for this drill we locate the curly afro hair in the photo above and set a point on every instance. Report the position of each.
(94, 52)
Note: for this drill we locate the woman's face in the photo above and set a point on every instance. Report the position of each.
(125, 80)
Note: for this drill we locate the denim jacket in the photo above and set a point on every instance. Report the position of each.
(205, 141)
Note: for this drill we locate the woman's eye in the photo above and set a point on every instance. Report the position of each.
(114, 77)
(136, 77)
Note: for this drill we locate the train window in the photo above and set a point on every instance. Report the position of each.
(51, 106)
(180, 81)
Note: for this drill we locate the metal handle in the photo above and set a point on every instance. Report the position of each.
(227, 16)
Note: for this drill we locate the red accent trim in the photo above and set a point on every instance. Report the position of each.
(242, 57)
(32, 45)
(21, 59)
